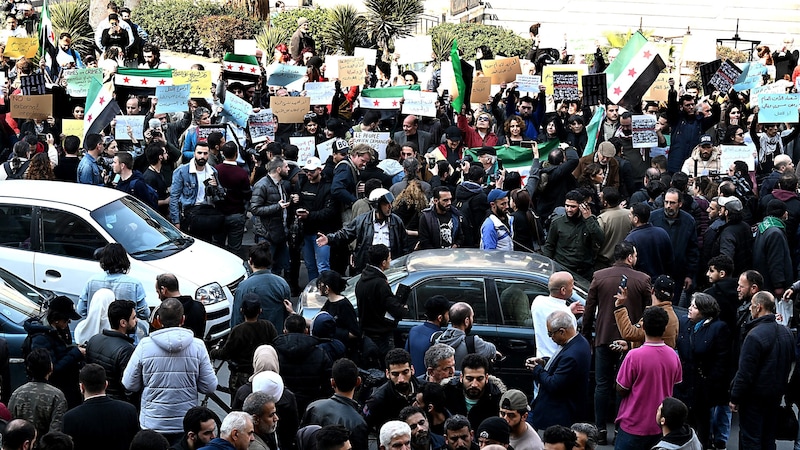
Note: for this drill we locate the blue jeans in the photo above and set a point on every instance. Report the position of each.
(606, 365)
(317, 258)
(627, 441)
(233, 232)
(280, 257)
(720, 423)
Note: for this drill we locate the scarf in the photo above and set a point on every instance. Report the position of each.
(770, 222)
(770, 146)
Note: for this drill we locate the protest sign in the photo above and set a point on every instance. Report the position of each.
(547, 74)
(351, 71)
(772, 88)
(72, 127)
(237, 108)
(121, 127)
(751, 76)
(204, 130)
(595, 89)
(32, 84)
(262, 126)
(284, 74)
(377, 141)
(732, 153)
(174, 98)
(778, 108)
(321, 93)
(528, 83)
(582, 45)
(419, 103)
(200, 80)
(644, 131)
(31, 106)
(707, 72)
(659, 89)
(413, 49)
(325, 149)
(17, 47)
(370, 55)
(501, 70)
(290, 109)
(481, 89)
(78, 81)
(725, 77)
(305, 147)
(245, 47)
(565, 86)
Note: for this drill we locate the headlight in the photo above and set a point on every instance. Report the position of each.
(210, 294)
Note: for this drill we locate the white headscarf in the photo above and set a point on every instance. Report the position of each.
(96, 318)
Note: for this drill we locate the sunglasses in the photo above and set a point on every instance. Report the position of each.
(483, 119)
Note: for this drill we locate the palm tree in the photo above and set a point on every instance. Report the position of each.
(346, 29)
(73, 17)
(391, 19)
(270, 37)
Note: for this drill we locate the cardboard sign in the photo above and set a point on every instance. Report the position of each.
(17, 47)
(79, 81)
(238, 109)
(203, 131)
(731, 153)
(419, 103)
(414, 49)
(325, 149)
(725, 77)
(707, 72)
(377, 141)
(320, 93)
(31, 106)
(284, 74)
(778, 108)
(528, 83)
(262, 126)
(121, 127)
(290, 109)
(32, 84)
(644, 131)
(547, 74)
(351, 71)
(245, 47)
(72, 127)
(481, 89)
(502, 70)
(306, 147)
(173, 98)
(370, 55)
(583, 46)
(595, 89)
(772, 88)
(565, 86)
(659, 90)
(200, 81)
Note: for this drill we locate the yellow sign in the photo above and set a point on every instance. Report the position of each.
(199, 79)
(547, 74)
(290, 109)
(501, 70)
(18, 47)
(72, 127)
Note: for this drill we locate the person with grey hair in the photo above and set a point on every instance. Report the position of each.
(235, 433)
(261, 407)
(411, 169)
(586, 434)
(395, 435)
(176, 366)
(440, 363)
(563, 379)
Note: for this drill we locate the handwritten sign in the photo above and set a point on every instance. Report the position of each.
(305, 147)
(481, 89)
(595, 89)
(351, 71)
(79, 81)
(529, 83)
(731, 153)
(290, 109)
(199, 80)
(644, 131)
(419, 103)
(565, 86)
(245, 47)
(325, 149)
(31, 106)
(548, 71)
(284, 74)
(370, 55)
(772, 88)
(262, 126)
(320, 93)
(377, 141)
(32, 84)
(172, 98)
(777, 108)
(238, 109)
(17, 47)
(414, 49)
(121, 127)
(502, 70)
(72, 127)
(659, 89)
(725, 77)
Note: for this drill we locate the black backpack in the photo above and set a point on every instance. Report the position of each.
(152, 196)
(470, 230)
(19, 173)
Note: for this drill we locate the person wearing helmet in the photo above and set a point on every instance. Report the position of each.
(377, 226)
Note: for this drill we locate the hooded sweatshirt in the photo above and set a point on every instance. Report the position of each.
(456, 338)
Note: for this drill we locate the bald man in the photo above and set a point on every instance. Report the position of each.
(560, 286)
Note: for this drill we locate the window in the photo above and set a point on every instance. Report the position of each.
(456, 289)
(15, 226)
(68, 235)
(515, 300)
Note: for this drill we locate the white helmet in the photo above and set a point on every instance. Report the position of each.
(380, 195)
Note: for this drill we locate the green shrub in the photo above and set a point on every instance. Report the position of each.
(73, 17)
(318, 19)
(217, 33)
(470, 36)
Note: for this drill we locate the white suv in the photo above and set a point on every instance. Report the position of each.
(50, 230)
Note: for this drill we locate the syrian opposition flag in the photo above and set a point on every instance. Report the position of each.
(593, 130)
(141, 81)
(519, 159)
(633, 71)
(48, 38)
(241, 67)
(384, 98)
(100, 106)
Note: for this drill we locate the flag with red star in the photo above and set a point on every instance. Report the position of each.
(384, 98)
(632, 73)
(48, 38)
(101, 107)
(141, 81)
(240, 67)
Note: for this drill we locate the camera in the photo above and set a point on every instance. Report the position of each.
(214, 193)
(105, 163)
(466, 158)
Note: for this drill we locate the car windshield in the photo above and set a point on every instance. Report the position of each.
(18, 300)
(139, 229)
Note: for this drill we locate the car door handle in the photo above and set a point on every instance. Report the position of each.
(516, 344)
(52, 273)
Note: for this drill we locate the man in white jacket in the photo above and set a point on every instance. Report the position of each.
(170, 367)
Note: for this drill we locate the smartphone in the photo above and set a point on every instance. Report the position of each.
(623, 282)
(42, 138)
(499, 164)
(431, 163)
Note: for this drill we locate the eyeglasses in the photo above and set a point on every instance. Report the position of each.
(550, 333)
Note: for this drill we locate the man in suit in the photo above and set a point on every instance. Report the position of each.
(412, 133)
(100, 422)
(563, 380)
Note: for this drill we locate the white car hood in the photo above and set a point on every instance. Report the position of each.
(202, 263)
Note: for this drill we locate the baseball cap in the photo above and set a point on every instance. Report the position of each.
(664, 284)
(486, 150)
(453, 133)
(495, 429)
(515, 400)
(607, 149)
(437, 305)
(341, 146)
(496, 194)
(706, 140)
(64, 306)
(730, 203)
(313, 163)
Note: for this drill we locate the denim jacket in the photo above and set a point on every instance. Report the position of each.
(183, 191)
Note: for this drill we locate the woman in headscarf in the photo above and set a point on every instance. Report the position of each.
(97, 318)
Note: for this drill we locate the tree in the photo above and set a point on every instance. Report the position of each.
(73, 17)
(470, 36)
(391, 19)
(345, 29)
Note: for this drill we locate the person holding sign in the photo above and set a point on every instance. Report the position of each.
(770, 143)
(513, 132)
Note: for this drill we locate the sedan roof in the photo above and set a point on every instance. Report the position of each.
(463, 258)
(82, 195)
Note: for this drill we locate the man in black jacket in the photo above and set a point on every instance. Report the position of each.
(474, 386)
(400, 391)
(194, 313)
(548, 185)
(440, 226)
(317, 214)
(112, 348)
(734, 239)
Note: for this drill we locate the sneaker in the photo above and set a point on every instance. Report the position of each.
(602, 437)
